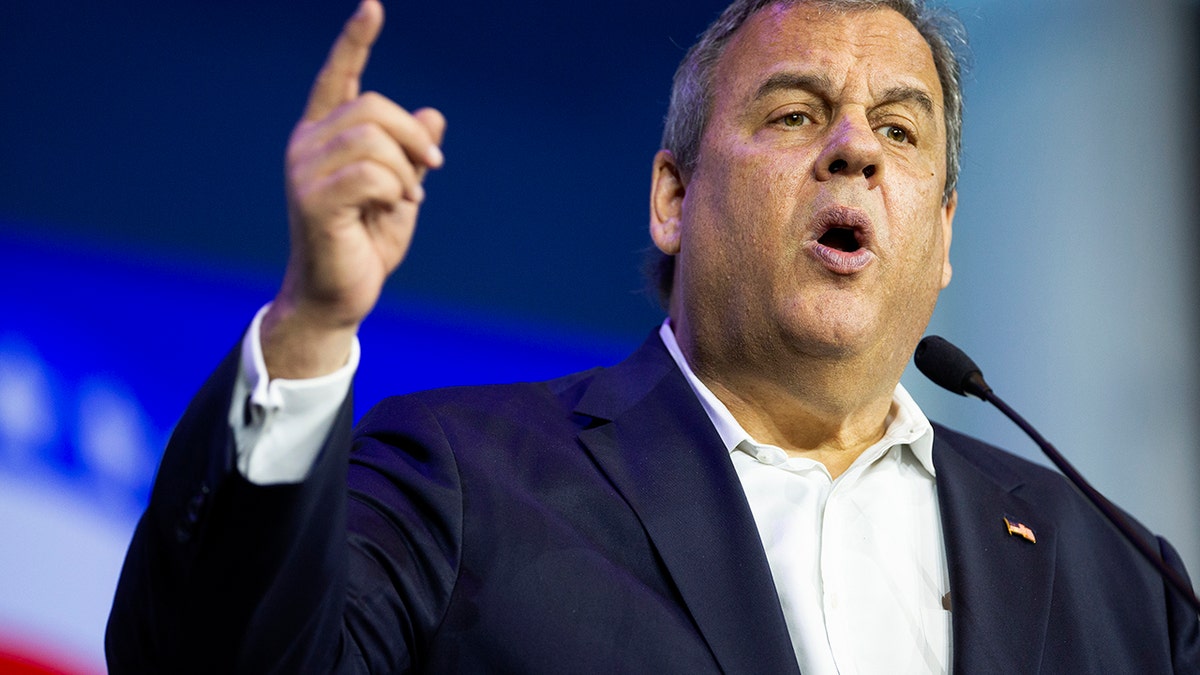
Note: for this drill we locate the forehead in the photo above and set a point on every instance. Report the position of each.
(877, 49)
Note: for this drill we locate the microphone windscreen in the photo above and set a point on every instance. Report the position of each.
(948, 366)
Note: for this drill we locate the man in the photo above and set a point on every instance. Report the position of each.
(751, 491)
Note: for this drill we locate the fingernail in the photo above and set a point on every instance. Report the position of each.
(434, 156)
(418, 193)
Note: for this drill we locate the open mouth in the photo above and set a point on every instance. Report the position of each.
(840, 238)
(844, 240)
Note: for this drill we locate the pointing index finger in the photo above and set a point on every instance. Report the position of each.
(340, 77)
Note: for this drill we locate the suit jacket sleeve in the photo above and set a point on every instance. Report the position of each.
(226, 576)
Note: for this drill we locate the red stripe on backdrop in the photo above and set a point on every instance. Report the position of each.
(24, 659)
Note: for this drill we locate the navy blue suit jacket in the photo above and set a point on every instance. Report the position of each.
(592, 523)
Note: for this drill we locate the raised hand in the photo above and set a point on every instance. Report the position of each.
(355, 163)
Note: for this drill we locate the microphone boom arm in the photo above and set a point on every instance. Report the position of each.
(949, 367)
(1100, 502)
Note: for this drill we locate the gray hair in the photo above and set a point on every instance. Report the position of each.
(692, 91)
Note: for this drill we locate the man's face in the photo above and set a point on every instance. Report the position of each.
(814, 220)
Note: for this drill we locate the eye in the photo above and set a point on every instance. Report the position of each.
(895, 133)
(795, 119)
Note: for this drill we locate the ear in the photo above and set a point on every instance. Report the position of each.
(666, 203)
(947, 230)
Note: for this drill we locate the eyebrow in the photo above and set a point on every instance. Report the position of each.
(822, 86)
(902, 94)
(817, 84)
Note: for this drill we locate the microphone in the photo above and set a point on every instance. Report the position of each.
(951, 369)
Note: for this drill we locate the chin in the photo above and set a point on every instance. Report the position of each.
(829, 341)
(831, 329)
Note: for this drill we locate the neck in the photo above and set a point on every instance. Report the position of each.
(827, 408)
(791, 422)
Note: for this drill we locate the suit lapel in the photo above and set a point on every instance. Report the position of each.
(662, 453)
(1000, 581)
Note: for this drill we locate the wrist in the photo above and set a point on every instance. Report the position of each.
(297, 345)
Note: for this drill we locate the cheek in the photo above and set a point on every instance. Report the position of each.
(766, 193)
(915, 209)
(742, 204)
(738, 203)
(930, 264)
(919, 248)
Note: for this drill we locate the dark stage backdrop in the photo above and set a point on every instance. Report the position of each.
(159, 128)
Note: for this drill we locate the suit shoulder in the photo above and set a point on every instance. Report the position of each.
(1035, 483)
(1000, 464)
(534, 402)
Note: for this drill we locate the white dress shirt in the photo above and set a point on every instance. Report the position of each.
(858, 562)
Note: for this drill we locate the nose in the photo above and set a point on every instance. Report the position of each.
(852, 149)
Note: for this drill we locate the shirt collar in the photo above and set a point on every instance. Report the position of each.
(907, 426)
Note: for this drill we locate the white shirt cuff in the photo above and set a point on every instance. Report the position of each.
(280, 425)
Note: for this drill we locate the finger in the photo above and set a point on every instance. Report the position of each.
(413, 136)
(339, 79)
(365, 142)
(435, 123)
(358, 185)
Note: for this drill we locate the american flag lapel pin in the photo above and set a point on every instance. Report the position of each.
(1018, 529)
